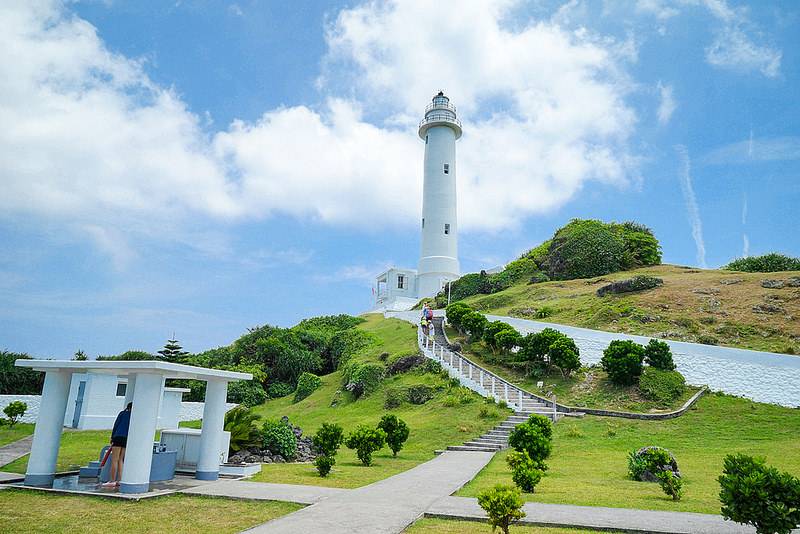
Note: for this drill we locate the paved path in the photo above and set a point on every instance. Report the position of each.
(391, 505)
(16, 450)
(384, 507)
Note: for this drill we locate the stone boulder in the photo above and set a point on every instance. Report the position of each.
(403, 364)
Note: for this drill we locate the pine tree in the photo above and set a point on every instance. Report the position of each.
(172, 352)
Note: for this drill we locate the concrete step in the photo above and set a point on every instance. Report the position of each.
(493, 446)
(471, 448)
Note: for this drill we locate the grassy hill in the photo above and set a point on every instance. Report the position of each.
(715, 307)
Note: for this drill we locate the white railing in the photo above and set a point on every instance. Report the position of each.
(475, 377)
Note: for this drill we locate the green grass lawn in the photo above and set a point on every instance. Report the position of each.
(23, 511)
(450, 418)
(589, 467)
(19, 431)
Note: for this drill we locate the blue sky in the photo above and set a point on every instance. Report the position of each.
(205, 167)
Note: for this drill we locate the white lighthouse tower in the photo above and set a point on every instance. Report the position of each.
(438, 257)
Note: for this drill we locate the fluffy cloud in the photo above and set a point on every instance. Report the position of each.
(86, 135)
(543, 107)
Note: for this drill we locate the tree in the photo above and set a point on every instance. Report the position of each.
(757, 495)
(622, 360)
(365, 440)
(80, 356)
(396, 432)
(455, 312)
(564, 355)
(658, 354)
(535, 437)
(503, 506)
(172, 352)
(327, 441)
(14, 411)
(474, 323)
(18, 380)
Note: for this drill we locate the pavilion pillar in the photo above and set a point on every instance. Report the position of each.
(213, 425)
(129, 389)
(149, 388)
(41, 469)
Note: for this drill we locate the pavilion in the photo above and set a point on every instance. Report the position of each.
(145, 389)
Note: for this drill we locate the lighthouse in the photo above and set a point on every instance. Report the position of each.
(438, 257)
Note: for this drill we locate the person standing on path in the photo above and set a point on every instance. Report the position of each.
(119, 441)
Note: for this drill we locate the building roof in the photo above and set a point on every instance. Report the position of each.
(125, 368)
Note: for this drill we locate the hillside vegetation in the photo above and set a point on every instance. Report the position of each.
(717, 307)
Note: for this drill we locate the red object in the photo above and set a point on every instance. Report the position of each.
(105, 457)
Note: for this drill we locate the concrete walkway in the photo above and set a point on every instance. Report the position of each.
(391, 505)
(387, 506)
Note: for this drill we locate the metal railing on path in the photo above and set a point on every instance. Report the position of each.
(480, 380)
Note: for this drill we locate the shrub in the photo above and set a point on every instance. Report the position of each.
(661, 386)
(328, 439)
(543, 312)
(420, 394)
(583, 249)
(474, 323)
(396, 432)
(622, 360)
(326, 442)
(535, 438)
(363, 379)
(14, 411)
(536, 346)
(248, 393)
(658, 354)
(454, 312)
(18, 380)
(279, 389)
(524, 472)
(655, 464)
(324, 464)
(757, 495)
(365, 440)
(279, 437)
(564, 355)
(240, 423)
(768, 263)
(503, 506)
(306, 385)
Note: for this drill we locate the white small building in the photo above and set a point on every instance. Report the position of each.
(95, 400)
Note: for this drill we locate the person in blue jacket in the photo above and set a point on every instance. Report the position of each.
(119, 441)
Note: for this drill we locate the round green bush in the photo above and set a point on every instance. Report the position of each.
(328, 439)
(277, 390)
(622, 360)
(658, 354)
(365, 440)
(306, 385)
(277, 436)
(534, 437)
(525, 472)
(768, 263)
(661, 386)
(324, 464)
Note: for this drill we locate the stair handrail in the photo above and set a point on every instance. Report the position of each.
(428, 345)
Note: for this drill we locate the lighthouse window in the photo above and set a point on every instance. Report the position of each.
(446, 228)
(447, 168)
(426, 139)
(401, 281)
(423, 222)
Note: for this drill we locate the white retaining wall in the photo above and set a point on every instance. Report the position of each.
(761, 376)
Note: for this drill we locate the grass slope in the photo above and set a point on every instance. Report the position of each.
(706, 306)
(588, 465)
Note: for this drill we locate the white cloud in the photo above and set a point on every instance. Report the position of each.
(691, 206)
(755, 150)
(566, 121)
(88, 139)
(667, 106)
(734, 50)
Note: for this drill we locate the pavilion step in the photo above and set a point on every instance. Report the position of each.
(473, 448)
